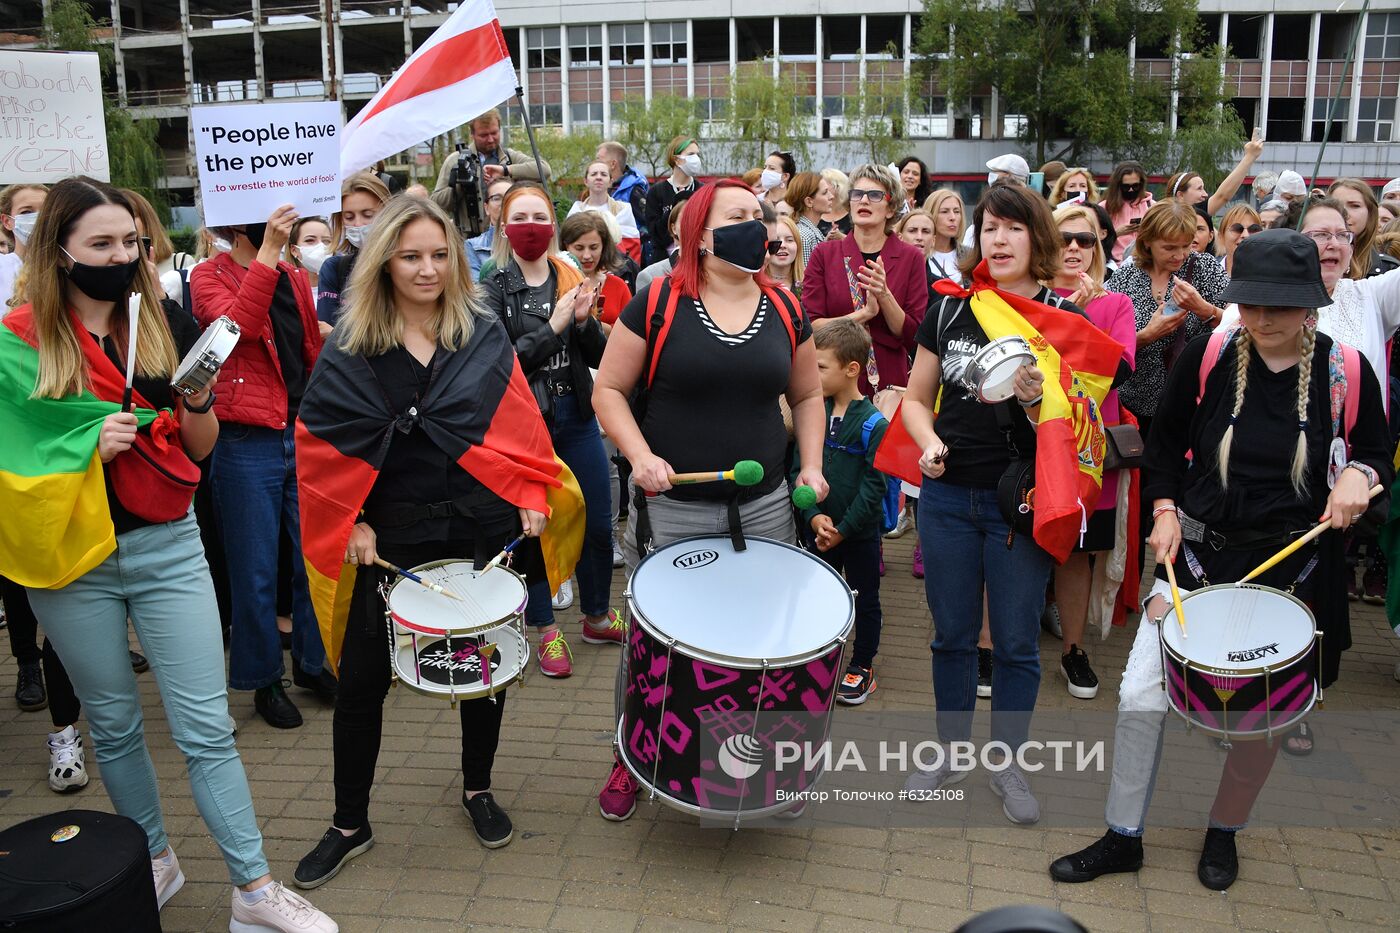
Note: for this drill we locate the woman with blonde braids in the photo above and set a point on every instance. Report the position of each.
(1265, 407)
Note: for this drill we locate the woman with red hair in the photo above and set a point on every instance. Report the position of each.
(726, 344)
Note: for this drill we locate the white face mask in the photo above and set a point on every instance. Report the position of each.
(770, 179)
(313, 255)
(222, 246)
(993, 177)
(690, 164)
(24, 226)
(356, 235)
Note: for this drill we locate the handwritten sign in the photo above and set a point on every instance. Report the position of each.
(51, 117)
(252, 158)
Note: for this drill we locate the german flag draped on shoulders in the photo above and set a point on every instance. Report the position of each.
(479, 410)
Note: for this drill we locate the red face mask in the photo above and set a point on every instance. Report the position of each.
(530, 241)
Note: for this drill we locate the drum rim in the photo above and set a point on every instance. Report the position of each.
(744, 664)
(467, 630)
(1237, 671)
(468, 693)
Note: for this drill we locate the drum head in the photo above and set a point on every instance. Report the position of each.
(487, 600)
(997, 385)
(770, 602)
(441, 669)
(1239, 629)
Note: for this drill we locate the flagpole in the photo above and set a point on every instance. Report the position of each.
(530, 133)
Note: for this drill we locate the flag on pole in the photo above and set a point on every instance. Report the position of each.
(463, 70)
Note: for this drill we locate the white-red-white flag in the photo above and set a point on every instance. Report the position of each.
(463, 70)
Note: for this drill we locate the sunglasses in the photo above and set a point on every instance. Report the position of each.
(1237, 229)
(1085, 240)
(873, 195)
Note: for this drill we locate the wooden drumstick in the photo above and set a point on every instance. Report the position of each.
(744, 473)
(410, 575)
(495, 561)
(1318, 530)
(1176, 599)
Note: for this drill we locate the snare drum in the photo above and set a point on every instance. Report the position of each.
(206, 357)
(1248, 666)
(458, 649)
(728, 653)
(991, 371)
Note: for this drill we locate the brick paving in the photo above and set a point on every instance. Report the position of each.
(568, 869)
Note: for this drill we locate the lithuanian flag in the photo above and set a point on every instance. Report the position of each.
(479, 410)
(53, 495)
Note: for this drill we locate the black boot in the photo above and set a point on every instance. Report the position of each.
(1115, 852)
(273, 704)
(323, 684)
(29, 688)
(1219, 866)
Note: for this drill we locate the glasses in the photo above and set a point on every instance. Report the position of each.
(1237, 229)
(1323, 237)
(495, 199)
(873, 195)
(1085, 240)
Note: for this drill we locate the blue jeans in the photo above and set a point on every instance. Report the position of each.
(255, 491)
(580, 446)
(965, 530)
(158, 577)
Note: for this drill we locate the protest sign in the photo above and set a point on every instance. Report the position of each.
(252, 158)
(51, 117)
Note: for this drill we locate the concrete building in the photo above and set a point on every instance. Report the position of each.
(576, 60)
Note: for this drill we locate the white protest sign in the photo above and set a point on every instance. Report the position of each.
(253, 158)
(51, 117)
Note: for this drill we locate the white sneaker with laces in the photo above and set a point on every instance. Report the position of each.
(67, 769)
(565, 597)
(1017, 802)
(168, 878)
(278, 910)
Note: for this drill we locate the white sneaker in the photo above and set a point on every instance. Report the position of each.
(278, 911)
(168, 878)
(1017, 801)
(565, 597)
(67, 771)
(903, 524)
(618, 559)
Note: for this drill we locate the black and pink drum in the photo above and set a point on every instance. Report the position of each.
(729, 653)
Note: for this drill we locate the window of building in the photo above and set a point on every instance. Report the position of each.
(586, 46)
(625, 45)
(1319, 119)
(884, 36)
(1291, 36)
(1285, 119)
(1375, 120)
(1334, 34)
(669, 43)
(841, 36)
(711, 40)
(542, 48)
(797, 36)
(755, 38)
(1382, 36)
(513, 45)
(712, 108)
(587, 112)
(547, 114)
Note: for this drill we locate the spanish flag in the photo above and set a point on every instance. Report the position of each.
(479, 410)
(53, 495)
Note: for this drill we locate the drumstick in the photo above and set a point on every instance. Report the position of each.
(744, 473)
(1321, 527)
(133, 323)
(495, 561)
(484, 653)
(410, 575)
(1176, 599)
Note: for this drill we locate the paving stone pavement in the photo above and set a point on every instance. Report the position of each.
(568, 869)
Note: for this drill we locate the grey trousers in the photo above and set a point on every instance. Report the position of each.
(768, 516)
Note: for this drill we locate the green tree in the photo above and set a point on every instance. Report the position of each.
(874, 117)
(132, 152)
(568, 154)
(766, 113)
(1210, 132)
(647, 128)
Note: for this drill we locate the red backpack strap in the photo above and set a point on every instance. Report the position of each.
(1215, 349)
(792, 319)
(661, 314)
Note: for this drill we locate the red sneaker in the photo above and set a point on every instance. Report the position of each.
(556, 660)
(618, 798)
(611, 631)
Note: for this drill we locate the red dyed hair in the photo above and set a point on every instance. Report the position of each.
(688, 275)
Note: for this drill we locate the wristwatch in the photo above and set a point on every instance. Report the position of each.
(203, 409)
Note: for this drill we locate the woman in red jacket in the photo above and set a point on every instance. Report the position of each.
(254, 468)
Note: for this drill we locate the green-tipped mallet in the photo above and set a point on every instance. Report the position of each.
(745, 473)
(804, 497)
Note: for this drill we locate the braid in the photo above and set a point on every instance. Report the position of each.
(1241, 379)
(1307, 340)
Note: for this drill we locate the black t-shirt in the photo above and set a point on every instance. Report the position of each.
(154, 389)
(288, 336)
(714, 400)
(417, 472)
(978, 453)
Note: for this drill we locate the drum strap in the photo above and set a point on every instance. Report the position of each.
(1197, 571)
(736, 525)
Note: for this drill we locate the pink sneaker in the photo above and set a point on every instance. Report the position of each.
(556, 660)
(618, 798)
(610, 631)
(918, 562)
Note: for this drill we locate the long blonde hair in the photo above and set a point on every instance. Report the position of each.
(62, 366)
(1057, 191)
(933, 202)
(1098, 266)
(798, 267)
(369, 324)
(1307, 341)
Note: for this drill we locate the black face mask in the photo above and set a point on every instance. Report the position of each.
(1132, 192)
(254, 233)
(744, 246)
(103, 283)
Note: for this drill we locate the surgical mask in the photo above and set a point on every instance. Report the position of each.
(690, 164)
(770, 179)
(993, 177)
(24, 226)
(313, 255)
(222, 246)
(105, 282)
(356, 235)
(744, 245)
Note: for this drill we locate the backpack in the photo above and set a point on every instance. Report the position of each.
(865, 429)
(890, 503)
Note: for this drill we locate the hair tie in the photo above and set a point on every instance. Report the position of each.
(1233, 418)
(1303, 424)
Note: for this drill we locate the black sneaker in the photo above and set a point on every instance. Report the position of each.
(325, 861)
(323, 684)
(1083, 682)
(1219, 866)
(29, 688)
(858, 684)
(984, 673)
(139, 664)
(273, 704)
(490, 822)
(1113, 853)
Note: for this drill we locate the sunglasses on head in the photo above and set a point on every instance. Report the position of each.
(1237, 229)
(1085, 240)
(873, 195)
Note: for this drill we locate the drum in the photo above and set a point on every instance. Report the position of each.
(729, 653)
(1248, 666)
(210, 352)
(457, 649)
(992, 369)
